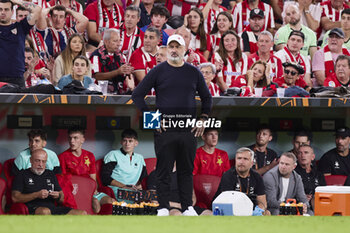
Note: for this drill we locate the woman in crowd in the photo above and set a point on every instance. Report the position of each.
(258, 76)
(229, 60)
(223, 23)
(80, 68)
(208, 70)
(200, 41)
(63, 63)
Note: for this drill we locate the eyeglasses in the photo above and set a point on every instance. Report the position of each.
(293, 73)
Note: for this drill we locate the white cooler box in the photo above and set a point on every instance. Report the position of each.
(233, 203)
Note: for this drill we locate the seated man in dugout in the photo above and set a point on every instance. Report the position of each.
(77, 161)
(123, 168)
(38, 188)
(37, 140)
(243, 178)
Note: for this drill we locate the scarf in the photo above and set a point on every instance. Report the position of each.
(328, 61)
(108, 21)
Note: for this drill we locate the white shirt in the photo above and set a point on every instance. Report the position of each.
(285, 184)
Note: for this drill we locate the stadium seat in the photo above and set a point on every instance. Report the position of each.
(2, 191)
(83, 190)
(150, 164)
(101, 187)
(9, 178)
(335, 180)
(7, 168)
(205, 187)
(232, 162)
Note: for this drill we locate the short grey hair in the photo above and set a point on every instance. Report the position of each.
(153, 29)
(266, 33)
(108, 32)
(134, 8)
(290, 155)
(208, 64)
(246, 149)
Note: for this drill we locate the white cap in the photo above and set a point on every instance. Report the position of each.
(176, 38)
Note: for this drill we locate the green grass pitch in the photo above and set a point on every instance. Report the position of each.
(178, 224)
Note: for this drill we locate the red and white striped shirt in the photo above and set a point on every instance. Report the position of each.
(73, 5)
(182, 8)
(286, 56)
(275, 64)
(215, 41)
(198, 58)
(129, 43)
(97, 12)
(142, 60)
(331, 13)
(212, 16)
(241, 12)
(230, 71)
(195, 43)
(214, 89)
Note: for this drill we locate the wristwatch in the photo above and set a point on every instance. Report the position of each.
(307, 11)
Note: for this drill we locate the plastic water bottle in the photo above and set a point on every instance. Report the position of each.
(217, 211)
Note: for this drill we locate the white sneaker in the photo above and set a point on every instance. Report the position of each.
(190, 212)
(163, 212)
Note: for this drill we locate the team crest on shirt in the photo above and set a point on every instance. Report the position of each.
(87, 161)
(30, 181)
(316, 182)
(331, 84)
(219, 161)
(14, 31)
(336, 165)
(237, 186)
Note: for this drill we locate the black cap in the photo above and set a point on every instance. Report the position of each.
(295, 65)
(342, 132)
(256, 13)
(297, 33)
(338, 31)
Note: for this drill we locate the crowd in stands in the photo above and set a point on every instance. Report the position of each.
(41, 179)
(298, 45)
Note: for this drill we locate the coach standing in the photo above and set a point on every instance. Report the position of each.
(176, 84)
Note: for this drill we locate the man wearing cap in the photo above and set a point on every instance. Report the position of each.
(342, 73)
(281, 36)
(337, 160)
(251, 32)
(324, 59)
(241, 14)
(265, 53)
(291, 76)
(291, 53)
(175, 143)
(345, 26)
